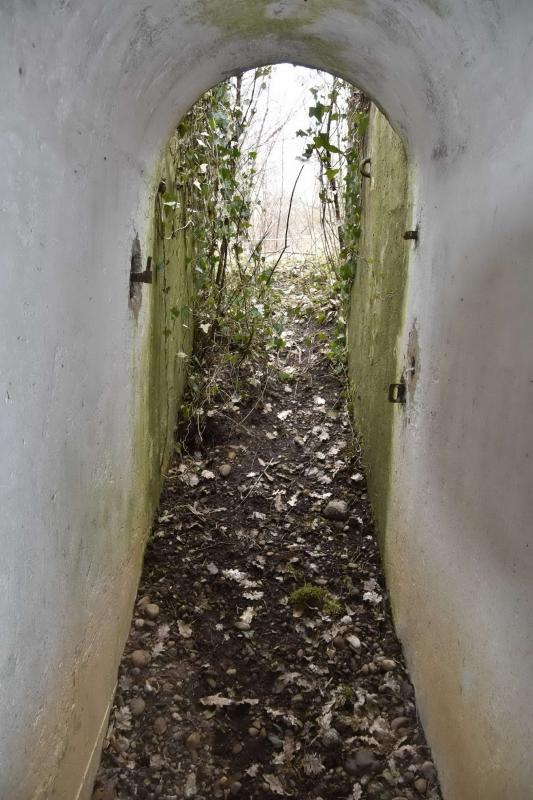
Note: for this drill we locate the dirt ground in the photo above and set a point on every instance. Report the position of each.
(262, 660)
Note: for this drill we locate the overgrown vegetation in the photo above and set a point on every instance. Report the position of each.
(238, 312)
(335, 138)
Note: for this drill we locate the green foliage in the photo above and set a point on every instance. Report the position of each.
(235, 300)
(335, 138)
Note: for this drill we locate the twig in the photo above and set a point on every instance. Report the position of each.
(286, 244)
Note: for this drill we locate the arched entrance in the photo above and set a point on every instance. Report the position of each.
(91, 91)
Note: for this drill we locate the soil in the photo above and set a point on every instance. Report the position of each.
(233, 682)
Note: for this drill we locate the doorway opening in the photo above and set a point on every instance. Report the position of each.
(262, 659)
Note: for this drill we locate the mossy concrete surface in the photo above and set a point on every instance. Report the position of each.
(377, 304)
(166, 342)
(161, 323)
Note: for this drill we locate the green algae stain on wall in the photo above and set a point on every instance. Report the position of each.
(377, 306)
(255, 19)
(161, 367)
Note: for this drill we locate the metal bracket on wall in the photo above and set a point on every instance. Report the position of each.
(364, 168)
(397, 393)
(143, 277)
(411, 235)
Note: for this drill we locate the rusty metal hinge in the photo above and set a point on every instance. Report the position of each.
(143, 277)
(397, 392)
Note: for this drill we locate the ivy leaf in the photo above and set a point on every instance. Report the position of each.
(331, 173)
(322, 140)
(318, 111)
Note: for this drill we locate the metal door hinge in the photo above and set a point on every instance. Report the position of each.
(143, 277)
(397, 393)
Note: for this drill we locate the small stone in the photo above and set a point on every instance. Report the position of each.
(331, 739)
(374, 789)
(224, 470)
(400, 722)
(336, 510)
(275, 741)
(421, 785)
(242, 626)
(140, 658)
(338, 643)
(387, 665)
(235, 788)
(354, 642)
(190, 786)
(253, 732)
(428, 771)
(160, 725)
(237, 748)
(193, 740)
(137, 706)
(151, 610)
(363, 761)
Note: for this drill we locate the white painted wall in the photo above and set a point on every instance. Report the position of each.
(89, 91)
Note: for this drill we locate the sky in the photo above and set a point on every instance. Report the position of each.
(282, 111)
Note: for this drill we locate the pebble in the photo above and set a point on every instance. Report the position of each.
(354, 642)
(421, 785)
(275, 741)
(140, 658)
(399, 722)
(363, 761)
(428, 771)
(235, 788)
(237, 748)
(151, 610)
(336, 510)
(193, 740)
(338, 643)
(190, 785)
(224, 470)
(242, 626)
(137, 706)
(160, 725)
(387, 665)
(331, 739)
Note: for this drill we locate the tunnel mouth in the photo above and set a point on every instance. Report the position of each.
(262, 622)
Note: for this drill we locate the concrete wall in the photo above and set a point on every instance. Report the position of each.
(89, 92)
(377, 304)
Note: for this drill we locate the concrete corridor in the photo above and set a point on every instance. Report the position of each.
(90, 91)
